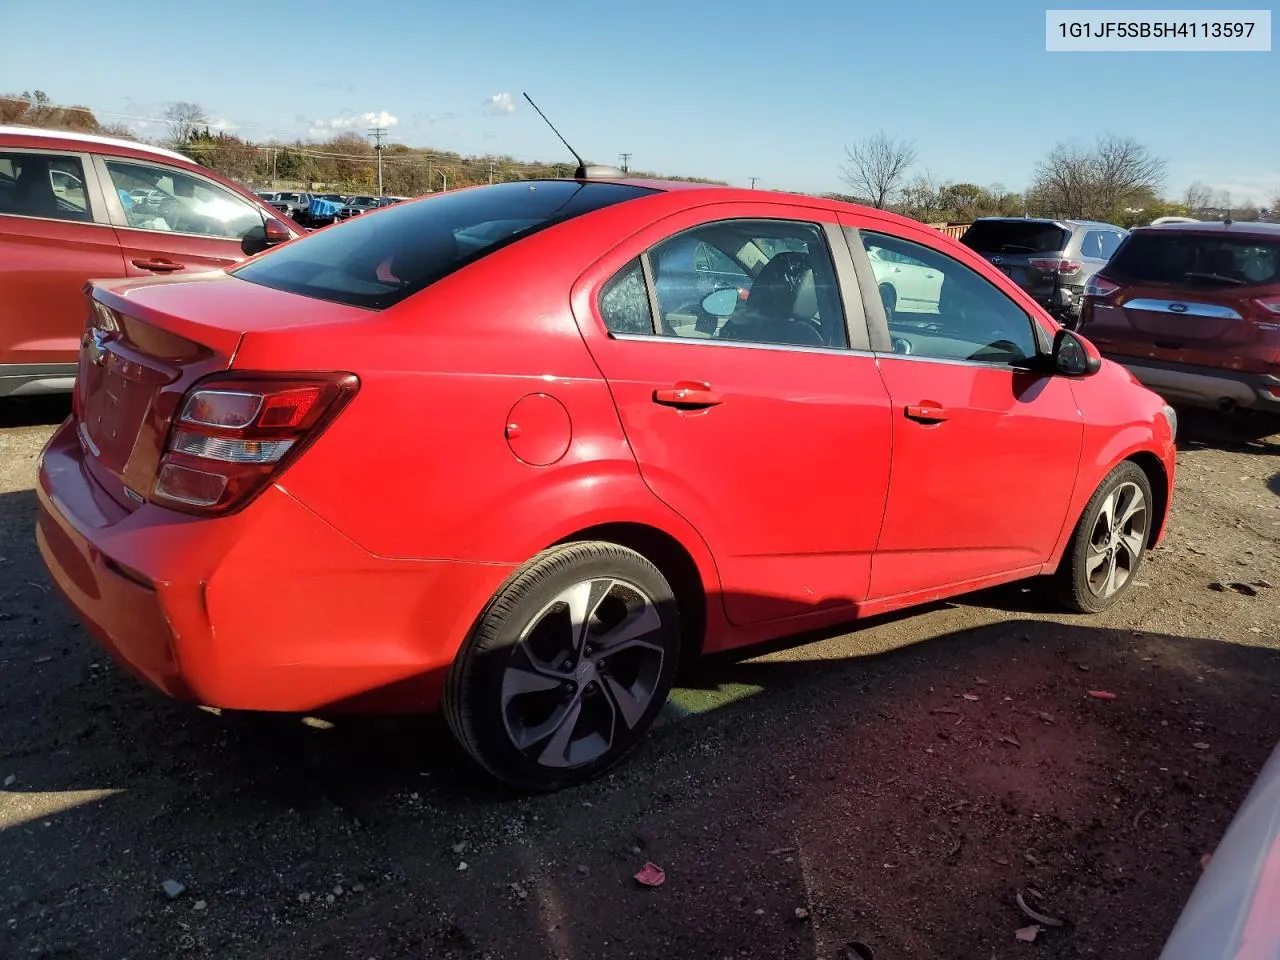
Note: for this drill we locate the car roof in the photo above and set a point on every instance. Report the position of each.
(1057, 221)
(1249, 228)
(78, 137)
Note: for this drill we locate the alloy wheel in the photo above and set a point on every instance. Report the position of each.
(585, 669)
(1117, 541)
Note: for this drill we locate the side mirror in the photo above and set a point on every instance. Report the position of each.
(1074, 356)
(722, 303)
(276, 232)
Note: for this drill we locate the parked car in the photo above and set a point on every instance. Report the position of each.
(292, 205)
(75, 206)
(356, 206)
(384, 467)
(1051, 259)
(1234, 910)
(1193, 310)
(322, 211)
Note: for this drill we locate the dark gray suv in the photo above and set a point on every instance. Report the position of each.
(1050, 259)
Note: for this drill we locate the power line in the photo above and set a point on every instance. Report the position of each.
(378, 133)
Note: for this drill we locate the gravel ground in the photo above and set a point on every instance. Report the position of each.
(897, 785)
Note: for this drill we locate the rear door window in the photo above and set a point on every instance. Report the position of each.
(1015, 237)
(43, 185)
(375, 262)
(1185, 258)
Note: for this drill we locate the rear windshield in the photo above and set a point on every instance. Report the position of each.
(377, 261)
(1177, 257)
(1015, 236)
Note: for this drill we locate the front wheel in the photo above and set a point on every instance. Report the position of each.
(567, 667)
(1109, 542)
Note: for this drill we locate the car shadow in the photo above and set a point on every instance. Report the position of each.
(1207, 429)
(42, 410)
(894, 786)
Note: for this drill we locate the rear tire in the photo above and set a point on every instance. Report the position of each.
(567, 667)
(1106, 550)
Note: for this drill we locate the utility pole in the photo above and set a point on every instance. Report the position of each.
(624, 157)
(378, 133)
(753, 181)
(273, 167)
(445, 177)
(491, 171)
(429, 178)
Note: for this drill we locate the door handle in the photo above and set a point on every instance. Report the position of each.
(927, 412)
(159, 264)
(688, 395)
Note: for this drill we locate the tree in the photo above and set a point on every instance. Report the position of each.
(1197, 197)
(183, 118)
(922, 198)
(1101, 183)
(876, 167)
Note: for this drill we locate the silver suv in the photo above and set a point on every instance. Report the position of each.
(1050, 259)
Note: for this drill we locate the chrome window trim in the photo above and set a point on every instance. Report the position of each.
(750, 344)
(1213, 311)
(792, 348)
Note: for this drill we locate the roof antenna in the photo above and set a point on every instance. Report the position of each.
(583, 172)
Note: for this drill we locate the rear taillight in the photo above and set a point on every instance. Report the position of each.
(1097, 286)
(233, 435)
(1054, 265)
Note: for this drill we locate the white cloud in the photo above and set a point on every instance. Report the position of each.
(353, 122)
(221, 125)
(502, 104)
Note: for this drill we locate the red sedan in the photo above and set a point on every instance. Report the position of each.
(518, 451)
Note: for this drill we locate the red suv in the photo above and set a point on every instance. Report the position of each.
(75, 207)
(501, 450)
(1193, 310)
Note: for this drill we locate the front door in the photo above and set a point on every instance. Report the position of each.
(984, 454)
(752, 419)
(170, 221)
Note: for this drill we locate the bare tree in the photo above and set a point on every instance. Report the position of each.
(183, 119)
(1197, 197)
(876, 167)
(1118, 172)
(1126, 173)
(922, 198)
(1221, 200)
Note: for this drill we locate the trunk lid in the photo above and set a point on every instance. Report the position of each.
(146, 343)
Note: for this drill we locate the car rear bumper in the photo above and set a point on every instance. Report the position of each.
(1207, 387)
(269, 609)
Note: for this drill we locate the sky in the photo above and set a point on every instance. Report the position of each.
(727, 91)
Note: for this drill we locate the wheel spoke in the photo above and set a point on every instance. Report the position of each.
(1132, 544)
(632, 632)
(630, 707)
(556, 752)
(582, 600)
(1136, 504)
(1106, 516)
(517, 682)
(1093, 560)
(1110, 587)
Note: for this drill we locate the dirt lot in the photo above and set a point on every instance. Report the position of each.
(897, 785)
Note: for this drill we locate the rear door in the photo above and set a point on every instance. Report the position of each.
(1199, 298)
(766, 429)
(54, 235)
(186, 223)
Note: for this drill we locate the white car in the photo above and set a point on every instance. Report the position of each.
(906, 285)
